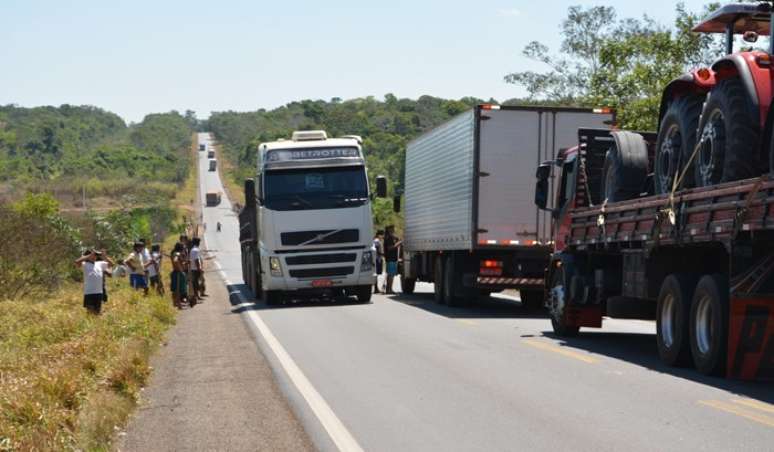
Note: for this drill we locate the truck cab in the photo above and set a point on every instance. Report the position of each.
(307, 220)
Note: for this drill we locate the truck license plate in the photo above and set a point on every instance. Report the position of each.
(322, 283)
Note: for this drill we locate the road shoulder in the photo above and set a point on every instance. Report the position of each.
(212, 389)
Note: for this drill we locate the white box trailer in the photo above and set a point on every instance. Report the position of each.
(470, 217)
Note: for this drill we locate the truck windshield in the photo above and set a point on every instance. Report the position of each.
(315, 188)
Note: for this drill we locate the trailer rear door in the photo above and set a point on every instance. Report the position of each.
(512, 142)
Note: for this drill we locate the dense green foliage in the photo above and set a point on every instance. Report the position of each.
(81, 142)
(619, 63)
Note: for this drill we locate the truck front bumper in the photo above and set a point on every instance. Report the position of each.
(298, 274)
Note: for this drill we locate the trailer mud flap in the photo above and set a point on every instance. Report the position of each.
(751, 339)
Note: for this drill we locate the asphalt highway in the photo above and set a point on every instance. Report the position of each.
(404, 373)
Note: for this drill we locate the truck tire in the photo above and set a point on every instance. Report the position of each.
(532, 300)
(672, 314)
(557, 304)
(363, 294)
(438, 280)
(728, 136)
(626, 167)
(451, 289)
(676, 141)
(709, 324)
(273, 297)
(407, 285)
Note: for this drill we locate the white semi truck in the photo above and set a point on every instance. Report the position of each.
(306, 228)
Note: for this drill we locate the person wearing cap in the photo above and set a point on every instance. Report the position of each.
(137, 266)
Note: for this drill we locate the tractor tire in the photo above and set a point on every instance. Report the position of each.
(626, 167)
(556, 305)
(407, 285)
(672, 315)
(438, 294)
(531, 300)
(676, 141)
(709, 324)
(728, 136)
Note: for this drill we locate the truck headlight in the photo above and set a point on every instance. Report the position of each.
(367, 262)
(275, 266)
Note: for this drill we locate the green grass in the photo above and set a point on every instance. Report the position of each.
(69, 379)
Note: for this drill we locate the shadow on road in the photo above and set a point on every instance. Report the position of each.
(484, 308)
(241, 293)
(640, 349)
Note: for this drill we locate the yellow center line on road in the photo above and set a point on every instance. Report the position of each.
(733, 409)
(561, 350)
(467, 322)
(757, 404)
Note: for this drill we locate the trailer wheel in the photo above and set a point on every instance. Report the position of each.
(438, 280)
(626, 167)
(451, 290)
(728, 136)
(709, 324)
(676, 141)
(407, 285)
(672, 314)
(531, 300)
(557, 302)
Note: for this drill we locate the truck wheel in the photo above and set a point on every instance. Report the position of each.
(532, 300)
(557, 303)
(672, 314)
(676, 141)
(728, 136)
(626, 167)
(709, 324)
(407, 285)
(450, 287)
(438, 280)
(272, 297)
(363, 294)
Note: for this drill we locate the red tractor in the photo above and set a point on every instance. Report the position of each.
(715, 124)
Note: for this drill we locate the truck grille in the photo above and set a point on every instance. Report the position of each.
(321, 259)
(297, 238)
(318, 272)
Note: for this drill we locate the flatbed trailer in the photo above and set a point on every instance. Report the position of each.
(698, 261)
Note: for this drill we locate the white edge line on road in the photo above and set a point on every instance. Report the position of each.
(343, 439)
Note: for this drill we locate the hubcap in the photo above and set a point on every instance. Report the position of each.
(704, 326)
(669, 157)
(668, 321)
(712, 149)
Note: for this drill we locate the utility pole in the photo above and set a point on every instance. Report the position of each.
(83, 197)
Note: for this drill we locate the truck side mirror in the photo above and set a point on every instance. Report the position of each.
(396, 204)
(381, 187)
(249, 193)
(541, 186)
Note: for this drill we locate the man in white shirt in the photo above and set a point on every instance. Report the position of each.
(94, 273)
(196, 267)
(154, 270)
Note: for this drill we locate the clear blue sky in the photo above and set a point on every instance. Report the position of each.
(137, 57)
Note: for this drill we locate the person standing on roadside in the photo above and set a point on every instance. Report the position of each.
(137, 264)
(177, 279)
(391, 244)
(94, 273)
(379, 257)
(196, 267)
(154, 270)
